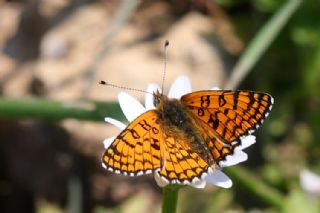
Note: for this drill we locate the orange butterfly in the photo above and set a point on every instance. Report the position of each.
(182, 140)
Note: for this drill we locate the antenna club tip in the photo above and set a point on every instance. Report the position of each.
(102, 82)
(166, 43)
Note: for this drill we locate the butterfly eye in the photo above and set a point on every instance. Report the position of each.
(156, 100)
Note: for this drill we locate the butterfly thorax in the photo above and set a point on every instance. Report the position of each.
(177, 122)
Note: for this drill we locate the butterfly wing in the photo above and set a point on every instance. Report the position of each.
(136, 150)
(231, 114)
(181, 163)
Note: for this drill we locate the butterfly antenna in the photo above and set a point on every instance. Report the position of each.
(166, 44)
(123, 87)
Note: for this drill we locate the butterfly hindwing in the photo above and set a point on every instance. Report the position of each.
(231, 114)
(218, 149)
(181, 163)
(136, 150)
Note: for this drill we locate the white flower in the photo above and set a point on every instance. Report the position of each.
(181, 86)
(310, 182)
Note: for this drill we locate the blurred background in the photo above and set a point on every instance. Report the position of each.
(52, 53)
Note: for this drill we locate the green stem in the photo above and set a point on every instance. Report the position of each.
(170, 198)
(58, 110)
(266, 193)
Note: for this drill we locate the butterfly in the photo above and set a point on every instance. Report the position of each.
(184, 139)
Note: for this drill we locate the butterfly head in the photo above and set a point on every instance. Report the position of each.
(157, 98)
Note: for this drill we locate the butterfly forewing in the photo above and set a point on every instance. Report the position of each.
(231, 114)
(136, 150)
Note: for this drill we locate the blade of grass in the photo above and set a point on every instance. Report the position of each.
(257, 187)
(55, 110)
(261, 42)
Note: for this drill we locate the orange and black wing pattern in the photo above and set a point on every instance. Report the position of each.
(181, 164)
(230, 114)
(136, 150)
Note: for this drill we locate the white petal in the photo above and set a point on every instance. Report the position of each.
(247, 141)
(237, 157)
(160, 180)
(180, 87)
(218, 178)
(107, 142)
(152, 88)
(310, 182)
(198, 183)
(130, 106)
(115, 122)
(215, 88)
